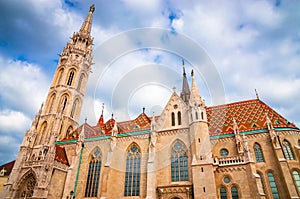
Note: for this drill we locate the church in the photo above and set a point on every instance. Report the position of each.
(243, 149)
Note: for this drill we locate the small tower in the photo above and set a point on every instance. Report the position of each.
(202, 163)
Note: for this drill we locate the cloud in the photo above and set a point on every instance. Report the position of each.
(13, 121)
(23, 86)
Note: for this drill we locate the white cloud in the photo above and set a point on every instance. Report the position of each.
(23, 85)
(12, 121)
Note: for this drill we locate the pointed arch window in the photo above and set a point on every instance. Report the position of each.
(92, 182)
(258, 153)
(297, 179)
(73, 112)
(64, 102)
(42, 132)
(179, 162)
(234, 193)
(223, 193)
(80, 81)
(202, 116)
(70, 79)
(261, 181)
(173, 118)
(133, 174)
(273, 185)
(51, 102)
(60, 74)
(179, 117)
(288, 153)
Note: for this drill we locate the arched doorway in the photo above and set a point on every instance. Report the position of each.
(26, 186)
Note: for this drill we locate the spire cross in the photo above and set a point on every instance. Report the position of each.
(85, 120)
(174, 89)
(256, 93)
(102, 108)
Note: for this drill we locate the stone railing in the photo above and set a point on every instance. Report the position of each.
(225, 161)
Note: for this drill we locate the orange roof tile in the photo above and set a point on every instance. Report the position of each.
(8, 167)
(249, 115)
(60, 155)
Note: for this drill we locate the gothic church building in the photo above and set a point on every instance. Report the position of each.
(191, 151)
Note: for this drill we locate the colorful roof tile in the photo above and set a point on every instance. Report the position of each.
(7, 167)
(249, 115)
(60, 155)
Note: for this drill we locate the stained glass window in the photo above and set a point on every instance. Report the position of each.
(224, 152)
(258, 153)
(179, 162)
(223, 193)
(234, 193)
(297, 179)
(92, 183)
(273, 185)
(133, 171)
(288, 153)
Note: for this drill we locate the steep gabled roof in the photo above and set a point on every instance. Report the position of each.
(60, 155)
(7, 167)
(249, 115)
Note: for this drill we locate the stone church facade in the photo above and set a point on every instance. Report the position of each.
(191, 151)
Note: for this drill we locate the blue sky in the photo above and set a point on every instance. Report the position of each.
(251, 45)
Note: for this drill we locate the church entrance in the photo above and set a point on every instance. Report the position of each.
(26, 187)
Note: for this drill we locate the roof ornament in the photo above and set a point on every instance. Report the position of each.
(144, 109)
(256, 93)
(85, 120)
(183, 67)
(174, 89)
(102, 109)
(92, 8)
(115, 129)
(192, 73)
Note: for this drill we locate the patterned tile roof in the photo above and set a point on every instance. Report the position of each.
(7, 167)
(249, 115)
(60, 155)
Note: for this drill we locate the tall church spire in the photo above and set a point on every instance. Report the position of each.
(195, 96)
(87, 24)
(185, 92)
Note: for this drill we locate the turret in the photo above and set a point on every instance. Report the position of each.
(185, 92)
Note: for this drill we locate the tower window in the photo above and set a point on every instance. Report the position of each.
(258, 153)
(74, 109)
(297, 179)
(224, 152)
(288, 153)
(273, 185)
(223, 193)
(234, 193)
(60, 74)
(179, 117)
(51, 102)
(179, 162)
(80, 82)
(64, 102)
(196, 115)
(202, 116)
(92, 182)
(70, 78)
(133, 174)
(173, 118)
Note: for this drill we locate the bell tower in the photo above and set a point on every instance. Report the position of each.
(68, 86)
(36, 162)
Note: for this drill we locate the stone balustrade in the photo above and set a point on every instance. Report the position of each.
(225, 161)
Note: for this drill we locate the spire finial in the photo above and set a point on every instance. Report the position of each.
(102, 109)
(192, 73)
(92, 8)
(85, 120)
(183, 67)
(112, 116)
(174, 89)
(144, 109)
(256, 93)
(87, 24)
